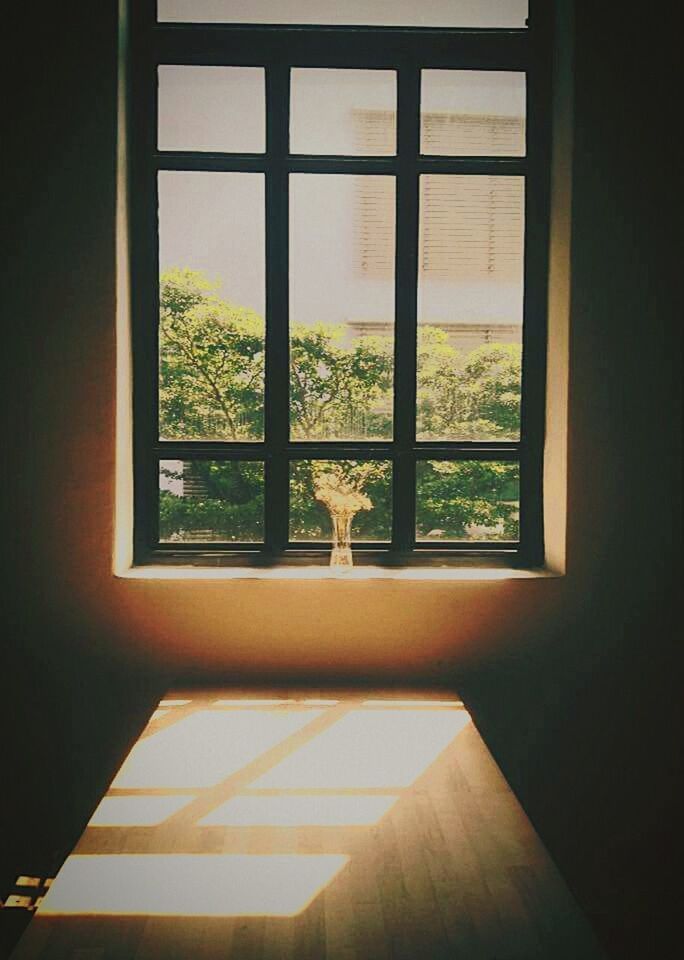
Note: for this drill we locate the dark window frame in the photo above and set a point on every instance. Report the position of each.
(277, 49)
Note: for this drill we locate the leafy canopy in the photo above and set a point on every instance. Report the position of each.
(211, 369)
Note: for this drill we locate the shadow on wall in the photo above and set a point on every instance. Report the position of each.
(66, 727)
(585, 743)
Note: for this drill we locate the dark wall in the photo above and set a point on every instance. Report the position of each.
(583, 722)
(73, 698)
(580, 715)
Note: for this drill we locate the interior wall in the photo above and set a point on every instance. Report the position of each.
(582, 719)
(565, 676)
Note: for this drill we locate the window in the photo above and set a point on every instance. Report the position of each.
(339, 279)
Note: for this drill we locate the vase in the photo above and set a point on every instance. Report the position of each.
(341, 554)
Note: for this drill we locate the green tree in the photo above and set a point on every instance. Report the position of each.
(455, 497)
(227, 503)
(211, 387)
(337, 392)
(211, 359)
(467, 396)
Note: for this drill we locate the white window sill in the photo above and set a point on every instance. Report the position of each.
(483, 573)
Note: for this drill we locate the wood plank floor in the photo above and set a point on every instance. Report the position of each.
(320, 826)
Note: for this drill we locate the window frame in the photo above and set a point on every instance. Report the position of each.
(277, 49)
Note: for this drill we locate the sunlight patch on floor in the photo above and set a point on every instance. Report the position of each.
(204, 748)
(135, 811)
(158, 714)
(319, 763)
(191, 885)
(368, 748)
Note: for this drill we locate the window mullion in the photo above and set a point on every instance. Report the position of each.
(277, 307)
(406, 279)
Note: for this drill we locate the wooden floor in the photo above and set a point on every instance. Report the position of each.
(325, 825)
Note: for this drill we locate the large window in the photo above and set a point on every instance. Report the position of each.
(339, 272)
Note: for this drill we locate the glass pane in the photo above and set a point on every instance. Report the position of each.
(343, 112)
(212, 108)
(341, 306)
(467, 500)
(472, 113)
(207, 501)
(318, 488)
(427, 13)
(470, 307)
(211, 330)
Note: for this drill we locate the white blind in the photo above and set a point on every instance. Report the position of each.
(471, 226)
(477, 135)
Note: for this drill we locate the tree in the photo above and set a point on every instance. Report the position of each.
(466, 499)
(473, 396)
(211, 358)
(228, 502)
(337, 391)
(211, 387)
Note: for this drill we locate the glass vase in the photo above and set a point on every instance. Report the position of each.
(341, 554)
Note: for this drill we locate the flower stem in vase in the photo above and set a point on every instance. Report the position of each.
(341, 554)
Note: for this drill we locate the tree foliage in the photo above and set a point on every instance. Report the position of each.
(335, 390)
(228, 505)
(470, 499)
(212, 357)
(467, 396)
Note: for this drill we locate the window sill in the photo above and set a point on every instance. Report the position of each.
(487, 571)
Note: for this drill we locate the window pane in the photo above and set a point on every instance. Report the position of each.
(467, 500)
(341, 306)
(212, 108)
(343, 112)
(427, 13)
(363, 487)
(207, 501)
(211, 333)
(470, 302)
(472, 113)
